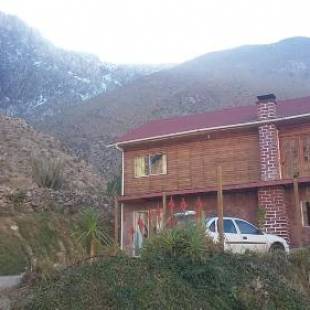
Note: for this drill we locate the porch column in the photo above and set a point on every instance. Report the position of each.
(271, 199)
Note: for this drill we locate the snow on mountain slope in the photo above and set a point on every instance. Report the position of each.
(38, 79)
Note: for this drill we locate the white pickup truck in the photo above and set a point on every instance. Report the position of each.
(239, 235)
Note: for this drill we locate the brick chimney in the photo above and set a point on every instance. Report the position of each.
(268, 138)
(266, 107)
(271, 199)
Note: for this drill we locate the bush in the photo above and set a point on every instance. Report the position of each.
(189, 244)
(46, 240)
(90, 230)
(224, 281)
(47, 172)
(114, 187)
(13, 259)
(180, 269)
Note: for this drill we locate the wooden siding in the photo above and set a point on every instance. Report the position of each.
(239, 204)
(295, 150)
(192, 163)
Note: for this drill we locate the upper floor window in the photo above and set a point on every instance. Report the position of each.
(306, 213)
(152, 164)
(295, 156)
(141, 166)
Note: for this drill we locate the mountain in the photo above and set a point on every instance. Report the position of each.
(212, 81)
(37, 79)
(87, 103)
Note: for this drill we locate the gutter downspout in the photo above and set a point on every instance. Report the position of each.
(122, 193)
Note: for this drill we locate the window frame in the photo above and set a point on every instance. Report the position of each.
(305, 208)
(165, 169)
(241, 233)
(150, 164)
(234, 225)
(210, 224)
(134, 167)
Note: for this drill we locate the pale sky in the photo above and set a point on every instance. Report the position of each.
(161, 31)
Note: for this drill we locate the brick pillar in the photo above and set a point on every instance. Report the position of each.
(272, 199)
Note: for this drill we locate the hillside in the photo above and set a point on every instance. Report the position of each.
(21, 144)
(215, 80)
(37, 216)
(179, 269)
(38, 79)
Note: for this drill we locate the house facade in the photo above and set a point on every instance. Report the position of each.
(264, 154)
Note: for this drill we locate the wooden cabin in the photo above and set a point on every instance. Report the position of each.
(264, 154)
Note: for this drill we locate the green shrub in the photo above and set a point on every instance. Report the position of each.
(113, 283)
(17, 198)
(47, 240)
(41, 234)
(301, 259)
(13, 259)
(189, 244)
(224, 281)
(180, 269)
(47, 172)
(90, 230)
(114, 186)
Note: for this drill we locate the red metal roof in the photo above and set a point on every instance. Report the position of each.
(225, 117)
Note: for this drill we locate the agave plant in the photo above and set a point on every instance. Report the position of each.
(91, 232)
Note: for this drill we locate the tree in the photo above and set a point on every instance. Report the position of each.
(91, 231)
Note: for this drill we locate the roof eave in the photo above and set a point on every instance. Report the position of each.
(207, 129)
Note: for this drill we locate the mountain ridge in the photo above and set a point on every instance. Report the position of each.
(38, 79)
(212, 81)
(75, 107)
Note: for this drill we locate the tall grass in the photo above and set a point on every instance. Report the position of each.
(47, 172)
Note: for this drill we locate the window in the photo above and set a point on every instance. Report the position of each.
(248, 229)
(306, 154)
(290, 154)
(158, 164)
(306, 213)
(153, 164)
(141, 166)
(306, 148)
(229, 227)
